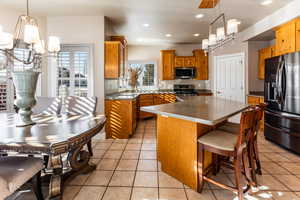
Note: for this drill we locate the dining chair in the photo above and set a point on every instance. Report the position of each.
(47, 106)
(226, 144)
(82, 106)
(15, 171)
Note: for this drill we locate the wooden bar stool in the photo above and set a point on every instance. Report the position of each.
(226, 144)
(234, 128)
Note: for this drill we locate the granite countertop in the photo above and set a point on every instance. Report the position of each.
(207, 110)
(128, 95)
(256, 93)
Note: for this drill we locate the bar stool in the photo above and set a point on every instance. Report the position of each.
(226, 144)
(234, 128)
(16, 171)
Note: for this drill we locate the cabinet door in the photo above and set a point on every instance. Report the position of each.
(286, 38)
(264, 54)
(189, 61)
(179, 61)
(201, 64)
(298, 35)
(112, 60)
(253, 100)
(167, 64)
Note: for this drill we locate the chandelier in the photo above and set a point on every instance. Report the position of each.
(224, 34)
(27, 36)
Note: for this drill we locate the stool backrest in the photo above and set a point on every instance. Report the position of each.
(259, 115)
(247, 126)
(47, 106)
(81, 105)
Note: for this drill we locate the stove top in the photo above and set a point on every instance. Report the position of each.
(185, 90)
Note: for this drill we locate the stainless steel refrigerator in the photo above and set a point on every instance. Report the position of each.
(282, 94)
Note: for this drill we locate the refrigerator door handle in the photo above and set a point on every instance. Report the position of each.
(283, 83)
(277, 82)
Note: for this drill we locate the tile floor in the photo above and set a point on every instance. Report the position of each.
(128, 170)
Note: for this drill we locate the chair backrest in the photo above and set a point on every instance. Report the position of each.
(47, 105)
(247, 127)
(81, 105)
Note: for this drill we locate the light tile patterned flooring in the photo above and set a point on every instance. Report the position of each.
(128, 170)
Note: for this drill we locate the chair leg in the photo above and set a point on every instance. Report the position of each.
(37, 186)
(251, 159)
(238, 176)
(90, 149)
(200, 168)
(255, 148)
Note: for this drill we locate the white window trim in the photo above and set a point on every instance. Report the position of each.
(155, 72)
(52, 70)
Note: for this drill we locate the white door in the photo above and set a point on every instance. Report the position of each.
(229, 76)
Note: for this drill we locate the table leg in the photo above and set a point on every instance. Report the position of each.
(55, 186)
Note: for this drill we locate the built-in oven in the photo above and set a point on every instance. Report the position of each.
(185, 72)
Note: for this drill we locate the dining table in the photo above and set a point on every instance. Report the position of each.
(62, 141)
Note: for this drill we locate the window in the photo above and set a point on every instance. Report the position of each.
(148, 75)
(73, 68)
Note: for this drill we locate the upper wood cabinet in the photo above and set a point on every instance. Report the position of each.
(179, 61)
(114, 59)
(298, 35)
(190, 61)
(286, 38)
(201, 64)
(264, 54)
(167, 64)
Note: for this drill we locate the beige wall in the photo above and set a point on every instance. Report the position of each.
(152, 53)
(83, 30)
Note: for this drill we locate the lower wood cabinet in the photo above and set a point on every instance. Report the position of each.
(255, 100)
(121, 118)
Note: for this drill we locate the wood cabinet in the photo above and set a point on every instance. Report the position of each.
(255, 100)
(121, 118)
(190, 61)
(298, 35)
(264, 54)
(179, 61)
(167, 64)
(201, 64)
(114, 59)
(286, 38)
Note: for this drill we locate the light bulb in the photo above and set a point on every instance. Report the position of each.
(232, 26)
(40, 47)
(212, 39)
(31, 34)
(220, 33)
(205, 44)
(53, 44)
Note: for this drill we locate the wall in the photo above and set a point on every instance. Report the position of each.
(152, 53)
(82, 30)
(8, 20)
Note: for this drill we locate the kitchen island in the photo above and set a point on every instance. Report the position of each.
(178, 127)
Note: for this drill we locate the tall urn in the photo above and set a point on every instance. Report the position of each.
(25, 84)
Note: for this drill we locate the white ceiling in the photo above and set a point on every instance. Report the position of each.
(164, 16)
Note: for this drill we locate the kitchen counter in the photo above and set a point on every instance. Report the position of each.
(128, 95)
(206, 110)
(179, 125)
(256, 93)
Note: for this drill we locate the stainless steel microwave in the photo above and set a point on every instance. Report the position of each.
(185, 72)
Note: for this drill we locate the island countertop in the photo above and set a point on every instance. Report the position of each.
(206, 110)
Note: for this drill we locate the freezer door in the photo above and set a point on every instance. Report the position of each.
(290, 77)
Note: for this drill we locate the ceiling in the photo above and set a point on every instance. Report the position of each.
(176, 17)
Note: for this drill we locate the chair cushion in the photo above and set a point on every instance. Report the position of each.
(15, 171)
(219, 139)
(230, 127)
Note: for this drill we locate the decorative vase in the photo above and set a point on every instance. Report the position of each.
(25, 84)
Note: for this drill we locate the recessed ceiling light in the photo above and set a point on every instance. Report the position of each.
(146, 25)
(196, 34)
(140, 40)
(266, 2)
(168, 35)
(199, 16)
